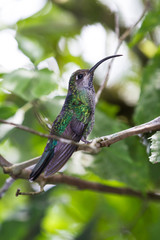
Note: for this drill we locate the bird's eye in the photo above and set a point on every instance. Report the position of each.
(79, 76)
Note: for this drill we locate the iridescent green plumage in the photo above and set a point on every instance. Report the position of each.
(75, 122)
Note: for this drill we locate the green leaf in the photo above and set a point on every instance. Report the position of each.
(110, 109)
(7, 110)
(30, 85)
(38, 36)
(149, 102)
(151, 20)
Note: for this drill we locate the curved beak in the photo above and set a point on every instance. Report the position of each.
(101, 61)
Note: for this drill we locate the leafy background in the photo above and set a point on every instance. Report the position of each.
(51, 40)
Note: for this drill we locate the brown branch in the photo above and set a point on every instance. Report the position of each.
(106, 141)
(18, 192)
(121, 39)
(80, 184)
(96, 143)
(93, 186)
(4, 162)
(27, 129)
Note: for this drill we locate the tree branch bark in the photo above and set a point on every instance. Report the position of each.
(106, 141)
(97, 143)
(75, 182)
(27, 129)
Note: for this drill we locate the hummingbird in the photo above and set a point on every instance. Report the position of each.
(75, 121)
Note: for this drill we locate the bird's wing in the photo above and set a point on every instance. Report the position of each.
(57, 153)
(63, 151)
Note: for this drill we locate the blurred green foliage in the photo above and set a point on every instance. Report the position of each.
(30, 85)
(150, 92)
(63, 212)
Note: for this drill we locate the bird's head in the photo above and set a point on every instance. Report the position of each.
(83, 78)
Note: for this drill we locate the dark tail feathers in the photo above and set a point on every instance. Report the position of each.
(40, 166)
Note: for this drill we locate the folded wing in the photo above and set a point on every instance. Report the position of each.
(63, 151)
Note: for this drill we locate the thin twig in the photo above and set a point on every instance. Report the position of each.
(129, 30)
(18, 192)
(27, 129)
(121, 39)
(96, 143)
(117, 24)
(9, 181)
